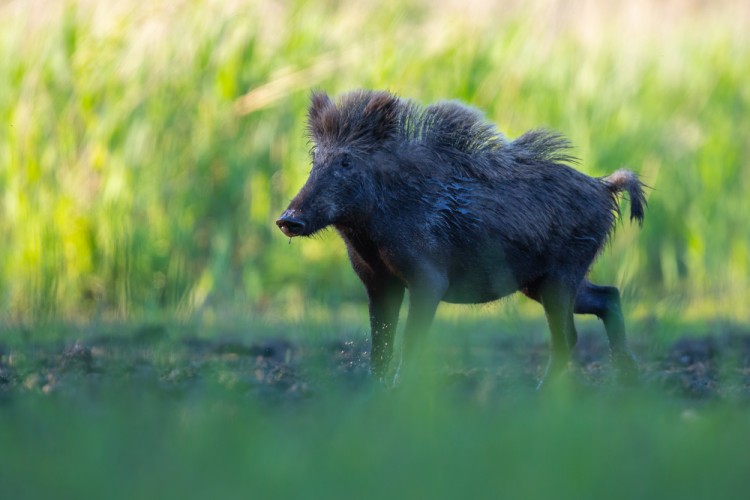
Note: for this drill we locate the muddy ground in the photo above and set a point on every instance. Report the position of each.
(706, 367)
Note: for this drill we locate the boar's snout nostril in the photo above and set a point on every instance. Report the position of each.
(290, 226)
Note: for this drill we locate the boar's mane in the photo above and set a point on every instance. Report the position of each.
(368, 120)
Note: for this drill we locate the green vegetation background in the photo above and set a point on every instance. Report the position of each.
(146, 149)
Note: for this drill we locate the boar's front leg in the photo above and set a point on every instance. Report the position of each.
(426, 290)
(385, 294)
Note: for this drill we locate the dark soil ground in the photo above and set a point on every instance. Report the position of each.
(713, 366)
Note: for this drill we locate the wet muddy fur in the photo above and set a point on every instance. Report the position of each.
(436, 200)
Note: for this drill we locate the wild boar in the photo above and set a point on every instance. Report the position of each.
(434, 199)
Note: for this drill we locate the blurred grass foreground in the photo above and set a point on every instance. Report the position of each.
(146, 148)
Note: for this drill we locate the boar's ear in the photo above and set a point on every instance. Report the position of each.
(381, 114)
(319, 103)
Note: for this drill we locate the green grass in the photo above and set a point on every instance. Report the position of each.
(182, 410)
(146, 151)
(414, 442)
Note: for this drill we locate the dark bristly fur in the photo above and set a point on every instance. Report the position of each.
(436, 200)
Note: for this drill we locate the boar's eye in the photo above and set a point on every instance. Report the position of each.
(346, 161)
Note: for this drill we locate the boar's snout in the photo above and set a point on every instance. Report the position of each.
(290, 225)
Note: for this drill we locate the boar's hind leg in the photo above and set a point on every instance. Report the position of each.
(604, 302)
(385, 297)
(557, 300)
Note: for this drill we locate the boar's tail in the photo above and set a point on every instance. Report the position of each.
(625, 180)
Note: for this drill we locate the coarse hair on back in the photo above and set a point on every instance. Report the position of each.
(366, 119)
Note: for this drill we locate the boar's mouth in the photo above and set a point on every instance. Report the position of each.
(291, 226)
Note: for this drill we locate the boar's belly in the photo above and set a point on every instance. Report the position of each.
(479, 286)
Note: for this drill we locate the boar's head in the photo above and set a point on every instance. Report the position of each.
(350, 141)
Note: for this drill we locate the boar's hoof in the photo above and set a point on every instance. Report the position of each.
(627, 368)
